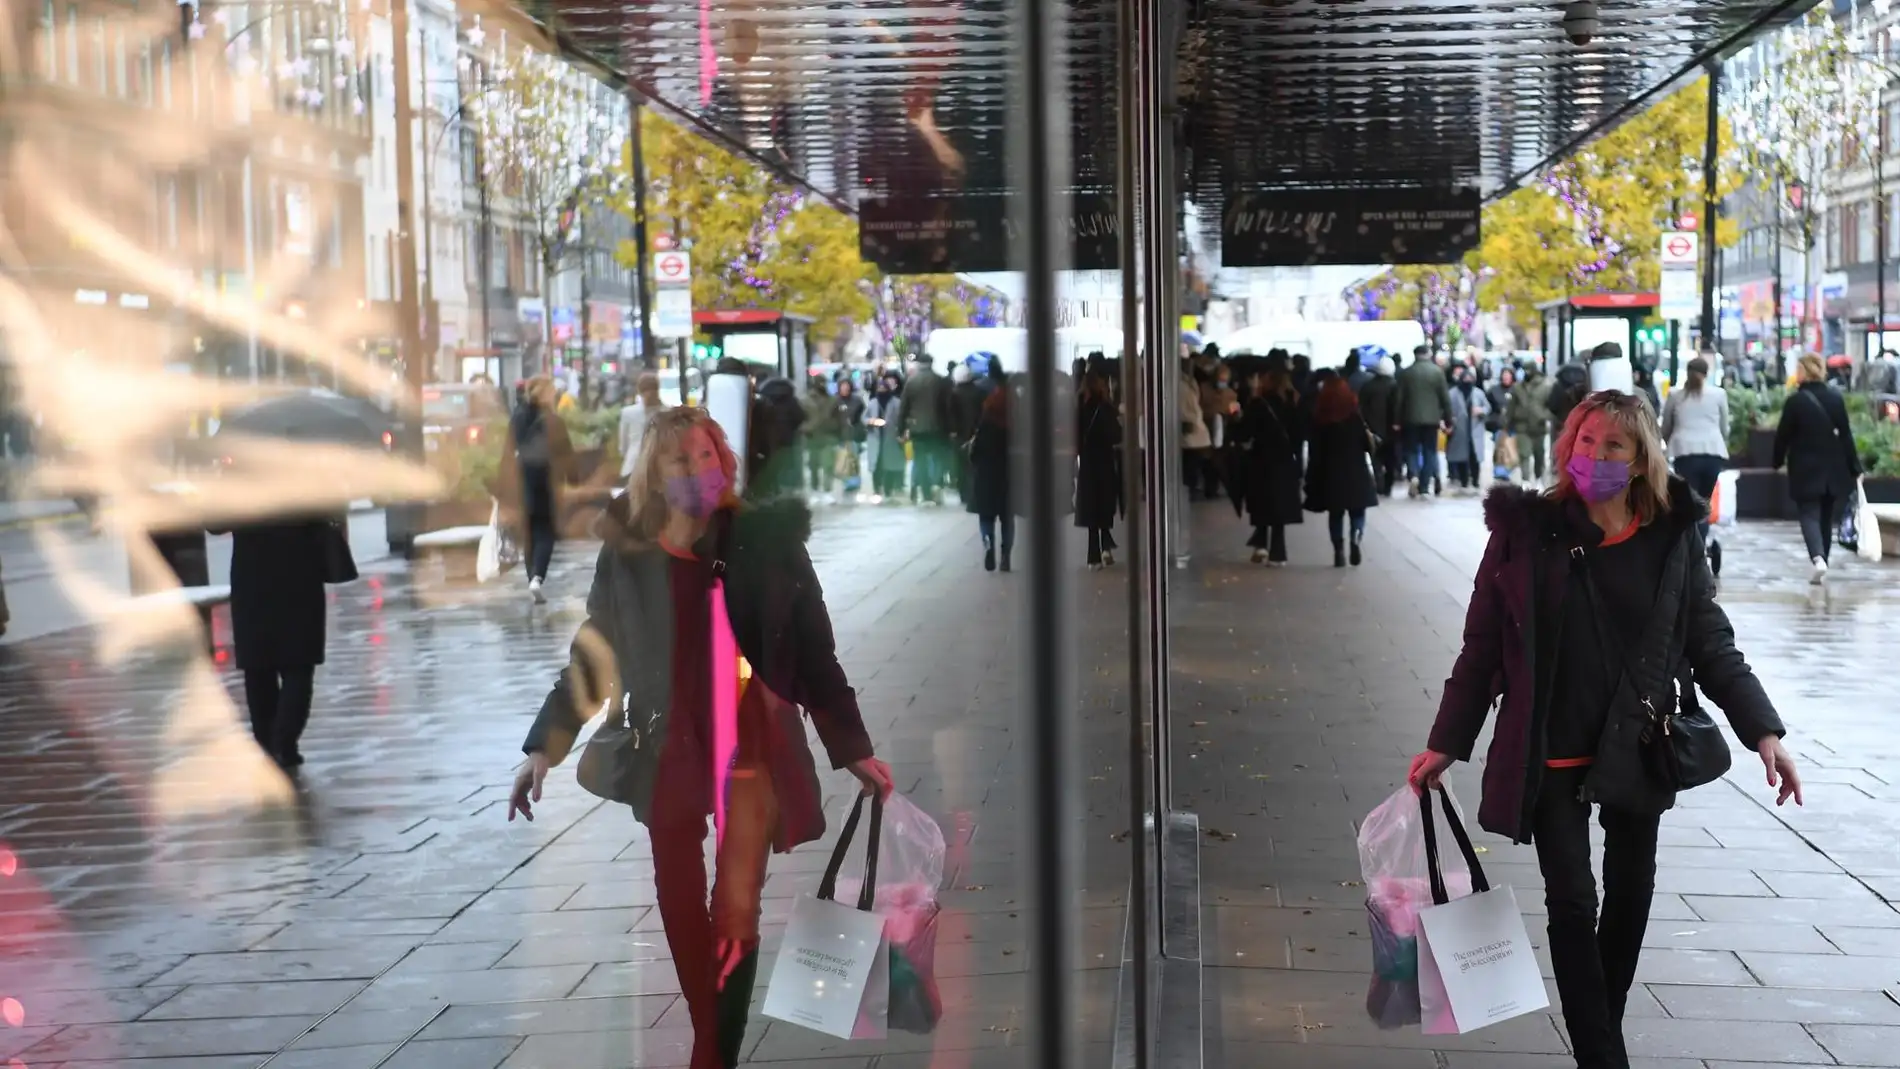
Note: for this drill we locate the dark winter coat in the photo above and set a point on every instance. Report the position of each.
(1519, 591)
(966, 408)
(1098, 469)
(1816, 444)
(1529, 410)
(778, 421)
(624, 654)
(1339, 467)
(537, 464)
(1271, 433)
(1379, 405)
(925, 406)
(1424, 395)
(278, 604)
(1567, 391)
(989, 466)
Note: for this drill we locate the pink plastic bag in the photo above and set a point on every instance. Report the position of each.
(909, 871)
(1392, 862)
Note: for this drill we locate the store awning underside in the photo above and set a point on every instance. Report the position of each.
(1272, 93)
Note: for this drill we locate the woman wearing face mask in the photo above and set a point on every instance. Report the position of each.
(1603, 570)
(678, 528)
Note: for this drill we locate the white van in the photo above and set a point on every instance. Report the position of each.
(1327, 343)
(1011, 344)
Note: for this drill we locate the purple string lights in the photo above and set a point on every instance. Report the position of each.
(1566, 184)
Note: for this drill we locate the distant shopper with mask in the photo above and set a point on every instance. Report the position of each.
(1599, 575)
(685, 567)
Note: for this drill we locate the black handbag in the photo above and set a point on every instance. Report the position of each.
(1681, 745)
(339, 564)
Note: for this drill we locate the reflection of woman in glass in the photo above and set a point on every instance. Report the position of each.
(654, 620)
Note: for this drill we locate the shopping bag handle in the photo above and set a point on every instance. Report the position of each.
(1479, 884)
(867, 893)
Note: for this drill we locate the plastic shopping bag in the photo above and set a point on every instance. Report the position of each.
(909, 871)
(1866, 526)
(1395, 863)
(897, 902)
(496, 552)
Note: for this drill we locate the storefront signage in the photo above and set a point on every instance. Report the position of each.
(1292, 228)
(974, 232)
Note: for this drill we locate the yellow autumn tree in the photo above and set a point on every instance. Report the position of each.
(1593, 223)
(756, 240)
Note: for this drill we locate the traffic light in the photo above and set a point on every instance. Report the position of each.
(704, 351)
(1653, 335)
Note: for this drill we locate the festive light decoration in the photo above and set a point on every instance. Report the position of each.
(1565, 182)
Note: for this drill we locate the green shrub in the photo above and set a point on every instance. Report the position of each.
(592, 429)
(1879, 447)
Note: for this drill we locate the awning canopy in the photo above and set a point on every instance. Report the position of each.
(1272, 94)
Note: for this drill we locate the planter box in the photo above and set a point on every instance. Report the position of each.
(1762, 494)
(1883, 489)
(1761, 449)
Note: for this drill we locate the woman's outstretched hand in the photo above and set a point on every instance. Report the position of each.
(528, 781)
(1781, 770)
(1427, 767)
(875, 775)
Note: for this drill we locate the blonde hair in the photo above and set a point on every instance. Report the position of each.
(647, 386)
(646, 487)
(1649, 472)
(541, 390)
(1810, 369)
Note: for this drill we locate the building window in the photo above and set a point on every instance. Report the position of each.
(1831, 223)
(165, 74)
(1864, 244)
(118, 62)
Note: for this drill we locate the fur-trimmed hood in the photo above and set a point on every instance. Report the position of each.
(780, 521)
(1520, 510)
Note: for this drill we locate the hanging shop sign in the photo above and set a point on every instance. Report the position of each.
(920, 235)
(672, 312)
(1295, 228)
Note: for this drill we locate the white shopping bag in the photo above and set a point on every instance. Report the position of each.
(1724, 503)
(833, 973)
(496, 552)
(1866, 525)
(1475, 965)
(831, 956)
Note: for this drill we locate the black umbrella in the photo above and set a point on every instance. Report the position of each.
(311, 416)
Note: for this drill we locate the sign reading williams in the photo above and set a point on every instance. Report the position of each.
(1293, 228)
(974, 232)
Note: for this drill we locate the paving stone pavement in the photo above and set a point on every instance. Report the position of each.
(167, 900)
(1303, 692)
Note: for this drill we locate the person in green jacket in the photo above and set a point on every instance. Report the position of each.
(1424, 408)
(1527, 417)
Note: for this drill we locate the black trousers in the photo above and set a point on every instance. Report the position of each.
(537, 502)
(1594, 954)
(1818, 517)
(1701, 471)
(1271, 538)
(1101, 540)
(279, 704)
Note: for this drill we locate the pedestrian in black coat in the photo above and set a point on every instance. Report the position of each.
(1815, 443)
(1271, 432)
(989, 472)
(1098, 470)
(536, 467)
(1339, 468)
(278, 611)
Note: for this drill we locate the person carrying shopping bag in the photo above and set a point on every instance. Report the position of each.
(706, 632)
(1592, 610)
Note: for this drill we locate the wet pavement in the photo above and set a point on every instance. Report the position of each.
(1773, 940)
(167, 900)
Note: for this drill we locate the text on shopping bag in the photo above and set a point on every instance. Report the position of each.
(824, 966)
(1482, 958)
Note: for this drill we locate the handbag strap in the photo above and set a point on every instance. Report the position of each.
(1436, 871)
(867, 892)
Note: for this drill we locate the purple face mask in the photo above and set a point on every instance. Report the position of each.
(1598, 480)
(696, 495)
